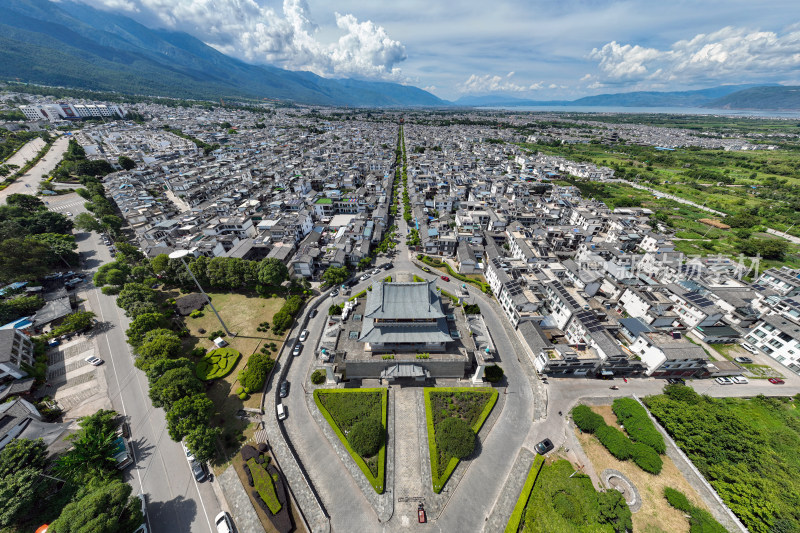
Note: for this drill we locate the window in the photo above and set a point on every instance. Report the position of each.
(775, 343)
(767, 350)
(768, 327)
(760, 334)
(784, 337)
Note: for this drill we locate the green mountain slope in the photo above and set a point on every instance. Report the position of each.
(778, 98)
(72, 44)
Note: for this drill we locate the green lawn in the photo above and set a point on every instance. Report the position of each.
(472, 405)
(343, 409)
(748, 449)
(265, 486)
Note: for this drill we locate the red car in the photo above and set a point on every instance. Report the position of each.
(776, 381)
(445, 278)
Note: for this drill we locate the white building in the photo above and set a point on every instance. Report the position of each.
(778, 337)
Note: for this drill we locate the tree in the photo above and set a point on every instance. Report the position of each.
(335, 275)
(132, 293)
(141, 325)
(86, 222)
(493, 373)
(92, 452)
(455, 438)
(27, 202)
(77, 321)
(254, 375)
(173, 385)
(159, 263)
(615, 511)
(22, 453)
(188, 413)
(157, 346)
(105, 507)
(17, 493)
(364, 263)
(272, 271)
(126, 162)
(115, 277)
(139, 308)
(23, 259)
(111, 222)
(366, 437)
(61, 246)
(202, 442)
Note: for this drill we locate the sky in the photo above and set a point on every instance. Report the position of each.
(544, 50)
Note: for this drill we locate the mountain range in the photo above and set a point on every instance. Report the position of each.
(74, 45)
(744, 97)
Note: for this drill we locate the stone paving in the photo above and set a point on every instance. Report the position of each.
(240, 505)
(504, 506)
(409, 481)
(383, 504)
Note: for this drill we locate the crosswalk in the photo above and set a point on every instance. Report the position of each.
(67, 206)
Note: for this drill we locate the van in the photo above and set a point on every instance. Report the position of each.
(281, 411)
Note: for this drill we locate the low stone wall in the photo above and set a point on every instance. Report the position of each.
(455, 368)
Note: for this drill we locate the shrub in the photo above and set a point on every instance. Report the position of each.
(366, 437)
(196, 314)
(587, 420)
(638, 425)
(198, 351)
(110, 290)
(677, 499)
(646, 458)
(701, 521)
(318, 377)
(493, 374)
(615, 441)
(455, 438)
(243, 396)
(254, 375)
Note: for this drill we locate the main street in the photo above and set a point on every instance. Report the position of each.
(175, 501)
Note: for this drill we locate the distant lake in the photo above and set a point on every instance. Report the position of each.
(646, 110)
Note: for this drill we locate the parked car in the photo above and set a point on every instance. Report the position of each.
(544, 446)
(746, 360)
(776, 381)
(94, 361)
(284, 389)
(303, 335)
(724, 381)
(426, 269)
(281, 410)
(297, 349)
(364, 277)
(199, 470)
(740, 380)
(749, 347)
(676, 381)
(334, 293)
(388, 266)
(313, 313)
(189, 454)
(224, 523)
(445, 278)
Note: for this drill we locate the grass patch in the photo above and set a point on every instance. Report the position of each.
(344, 409)
(472, 405)
(564, 501)
(265, 486)
(443, 265)
(522, 501)
(418, 279)
(217, 363)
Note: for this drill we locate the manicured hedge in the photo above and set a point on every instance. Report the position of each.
(264, 485)
(646, 458)
(254, 375)
(522, 501)
(615, 441)
(439, 480)
(587, 420)
(677, 499)
(217, 363)
(638, 425)
(377, 481)
(700, 520)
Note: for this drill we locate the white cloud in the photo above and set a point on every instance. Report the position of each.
(729, 54)
(489, 83)
(256, 33)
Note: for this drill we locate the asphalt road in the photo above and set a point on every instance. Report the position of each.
(175, 501)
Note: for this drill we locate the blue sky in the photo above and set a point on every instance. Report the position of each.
(528, 49)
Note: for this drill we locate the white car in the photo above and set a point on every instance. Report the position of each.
(740, 380)
(189, 454)
(749, 348)
(724, 381)
(297, 349)
(224, 523)
(95, 361)
(303, 335)
(376, 271)
(364, 277)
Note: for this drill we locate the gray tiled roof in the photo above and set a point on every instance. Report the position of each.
(403, 301)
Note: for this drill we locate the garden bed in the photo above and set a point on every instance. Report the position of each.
(351, 414)
(287, 518)
(470, 405)
(217, 363)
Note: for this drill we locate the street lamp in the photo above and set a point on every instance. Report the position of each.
(180, 254)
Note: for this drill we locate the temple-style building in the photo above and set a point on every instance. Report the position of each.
(404, 317)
